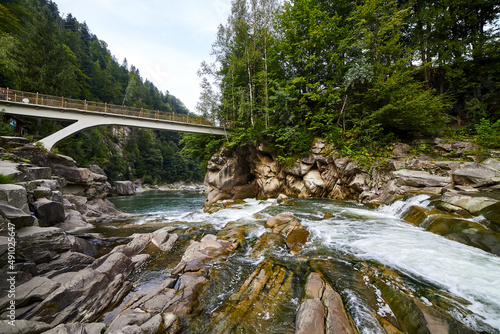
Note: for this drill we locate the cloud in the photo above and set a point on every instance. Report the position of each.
(165, 40)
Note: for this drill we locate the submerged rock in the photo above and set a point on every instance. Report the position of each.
(286, 224)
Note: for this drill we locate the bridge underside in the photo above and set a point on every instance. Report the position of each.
(88, 119)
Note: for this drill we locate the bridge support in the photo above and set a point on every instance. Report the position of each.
(87, 119)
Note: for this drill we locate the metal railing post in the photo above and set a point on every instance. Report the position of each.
(36, 98)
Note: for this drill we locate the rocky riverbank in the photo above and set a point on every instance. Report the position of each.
(63, 286)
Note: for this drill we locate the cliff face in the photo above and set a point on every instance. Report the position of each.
(254, 172)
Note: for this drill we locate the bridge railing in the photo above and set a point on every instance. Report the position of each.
(62, 102)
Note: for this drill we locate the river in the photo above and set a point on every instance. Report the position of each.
(463, 281)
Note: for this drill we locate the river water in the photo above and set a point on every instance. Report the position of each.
(463, 281)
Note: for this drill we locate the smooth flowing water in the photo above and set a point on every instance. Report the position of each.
(463, 279)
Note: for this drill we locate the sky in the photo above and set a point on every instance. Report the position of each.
(165, 39)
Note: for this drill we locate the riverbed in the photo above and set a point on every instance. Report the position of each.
(348, 241)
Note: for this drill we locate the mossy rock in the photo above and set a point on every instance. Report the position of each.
(416, 215)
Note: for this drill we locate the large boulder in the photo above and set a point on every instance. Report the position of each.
(49, 213)
(295, 233)
(123, 188)
(475, 175)
(15, 196)
(42, 244)
(16, 216)
(414, 178)
(72, 174)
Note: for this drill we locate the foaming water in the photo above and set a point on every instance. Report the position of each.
(465, 272)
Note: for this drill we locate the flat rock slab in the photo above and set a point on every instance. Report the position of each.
(415, 178)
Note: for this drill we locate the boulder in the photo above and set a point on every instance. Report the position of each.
(476, 175)
(123, 188)
(73, 175)
(42, 244)
(16, 216)
(49, 213)
(42, 192)
(15, 196)
(286, 224)
(198, 253)
(413, 178)
(474, 205)
(10, 169)
(74, 222)
(36, 173)
(163, 239)
(313, 182)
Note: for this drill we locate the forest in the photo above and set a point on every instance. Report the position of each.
(361, 74)
(40, 51)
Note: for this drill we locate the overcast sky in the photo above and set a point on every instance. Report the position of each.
(165, 39)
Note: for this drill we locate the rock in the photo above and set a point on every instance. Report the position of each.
(74, 222)
(474, 205)
(492, 213)
(35, 173)
(476, 175)
(310, 317)
(415, 317)
(66, 262)
(78, 328)
(97, 170)
(414, 178)
(134, 316)
(42, 244)
(492, 163)
(463, 147)
(286, 224)
(73, 175)
(322, 310)
(16, 216)
(35, 290)
(123, 188)
(49, 213)
(10, 169)
(264, 292)
(91, 289)
(42, 192)
(417, 215)
(199, 253)
(15, 196)
(163, 239)
(400, 149)
(313, 182)
(268, 244)
(24, 326)
(59, 159)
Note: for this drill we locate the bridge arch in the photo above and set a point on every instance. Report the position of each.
(21, 104)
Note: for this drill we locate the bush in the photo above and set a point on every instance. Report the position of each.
(488, 135)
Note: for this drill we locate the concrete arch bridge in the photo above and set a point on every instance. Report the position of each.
(88, 114)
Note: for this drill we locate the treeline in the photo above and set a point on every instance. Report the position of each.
(40, 51)
(358, 73)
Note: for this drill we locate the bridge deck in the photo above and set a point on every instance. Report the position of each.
(91, 114)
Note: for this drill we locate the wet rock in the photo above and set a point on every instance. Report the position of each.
(476, 175)
(15, 196)
(415, 178)
(42, 244)
(267, 289)
(310, 317)
(464, 231)
(492, 213)
(268, 244)
(198, 253)
(322, 310)
(49, 213)
(417, 215)
(474, 205)
(16, 216)
(123, 188)
(415, 317)
(286, 224)
(163, 239)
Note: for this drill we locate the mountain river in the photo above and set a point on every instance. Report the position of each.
(462, 281)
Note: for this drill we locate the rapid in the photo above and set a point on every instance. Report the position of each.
(352, 245)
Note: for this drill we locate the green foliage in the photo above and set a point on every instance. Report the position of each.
(4, 179)
(488, 134)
